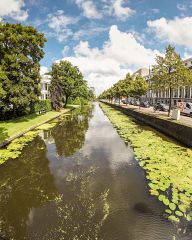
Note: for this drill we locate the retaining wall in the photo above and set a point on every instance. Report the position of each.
(179, 132)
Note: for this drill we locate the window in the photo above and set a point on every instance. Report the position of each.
(46, 86)
(188, 106)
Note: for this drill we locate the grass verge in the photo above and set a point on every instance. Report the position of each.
(11, 128)
(14, 149)
(168, 166)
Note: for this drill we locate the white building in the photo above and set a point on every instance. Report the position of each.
(45, 83)
(142, 72)
(183, 93)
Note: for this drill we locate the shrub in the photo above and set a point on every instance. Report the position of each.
(43, 104)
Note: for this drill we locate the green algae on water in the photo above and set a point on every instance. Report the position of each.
(168, 165)
(15, 147)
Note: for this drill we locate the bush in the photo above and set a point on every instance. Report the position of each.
(43, 104)
(78, 101)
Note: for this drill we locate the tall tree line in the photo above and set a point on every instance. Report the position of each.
(168, 74)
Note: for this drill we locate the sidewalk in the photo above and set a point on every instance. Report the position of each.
(183, 119)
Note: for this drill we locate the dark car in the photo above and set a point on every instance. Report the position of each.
(161, 107)
(145, 104)
(125, 101)
(131, 102)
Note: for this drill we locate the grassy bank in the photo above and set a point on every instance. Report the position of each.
(11, 128)
(168, 166)
(14, 149)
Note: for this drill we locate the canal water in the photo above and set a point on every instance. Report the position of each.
(79, 181)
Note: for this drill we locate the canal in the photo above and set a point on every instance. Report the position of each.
(79, 181)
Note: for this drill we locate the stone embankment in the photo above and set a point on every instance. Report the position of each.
(178, 131)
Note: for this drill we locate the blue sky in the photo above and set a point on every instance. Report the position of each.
(105, 38)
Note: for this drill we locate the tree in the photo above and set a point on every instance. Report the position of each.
(67, 81)
(126, 86)
(118, 89)
(138, 87)
(169, 73)
(55, 88)
(21, 49)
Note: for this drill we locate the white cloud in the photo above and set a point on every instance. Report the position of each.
(89, 9)
(122, 53)
(181, 7)
(120, 11)
(89, 31)
(13, 9)
(65, 50)
(175, 31)
(59, 22)
(116, 8)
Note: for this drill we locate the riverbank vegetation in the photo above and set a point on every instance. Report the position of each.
(167, 164)
(14, 149)
(13, 127)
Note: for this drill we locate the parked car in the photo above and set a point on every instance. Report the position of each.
(136, 103)
(186, 108)
(161, 107)
(131, 102)
(125, 101)
(145, 104)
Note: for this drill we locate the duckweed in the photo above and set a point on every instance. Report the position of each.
(15, 147)
(168, 166)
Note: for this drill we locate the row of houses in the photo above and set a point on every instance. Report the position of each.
(181, 94)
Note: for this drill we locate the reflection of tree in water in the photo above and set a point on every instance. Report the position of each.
(82, 212)
(69, 135)
(25, 183)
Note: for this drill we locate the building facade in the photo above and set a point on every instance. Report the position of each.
(45, 84)
(181, 94)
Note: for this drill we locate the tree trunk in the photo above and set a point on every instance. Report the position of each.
(66, 100)
(119, 100)
(170, 101)
(14, 111)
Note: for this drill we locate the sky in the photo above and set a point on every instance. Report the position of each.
(106, 39)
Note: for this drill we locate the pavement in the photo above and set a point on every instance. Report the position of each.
(185, 120)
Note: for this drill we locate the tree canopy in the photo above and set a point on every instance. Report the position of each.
(67, 82)
(170, 73)
(138, 88)
(21, 49)
(127, 87)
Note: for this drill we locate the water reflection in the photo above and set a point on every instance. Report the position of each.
(79, 181)
(69, 135)
(81, 213)
(25, 183)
